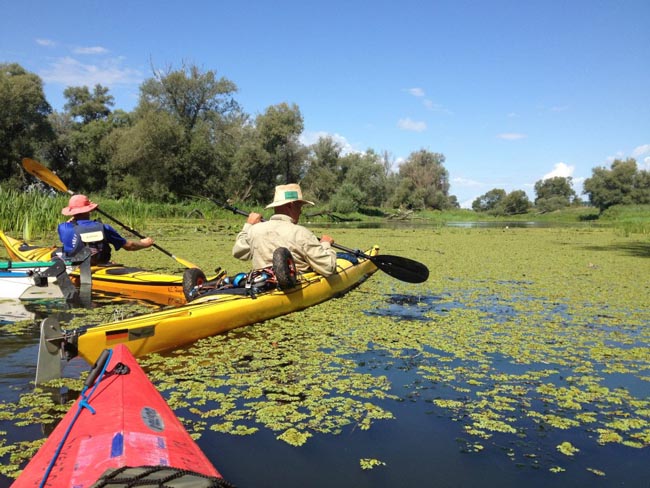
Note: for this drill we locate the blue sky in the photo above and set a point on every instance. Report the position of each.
(509, 91)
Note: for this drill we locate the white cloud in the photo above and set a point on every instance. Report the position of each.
(511, 136)
(311, 137)
(416, 92)
(45, 42)
(90, 50)
(411, 125)
(435, 107)
(71, 72)
(560, 169)
(465, 182)
(640, 151)
(428, 103)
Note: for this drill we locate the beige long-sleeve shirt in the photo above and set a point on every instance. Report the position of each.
(258, 241)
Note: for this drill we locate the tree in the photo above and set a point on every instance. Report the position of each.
(423, 182)
(279, 128)
(516, 202)
(324, 173)
(180, 141)
(347, 199)
(251, 166)
(189, 95)
(369, 174)
(80, 154)
(81, 104)
(622, 184)
(554, 193)
(145, 159)
(24, 124)
(489, 201)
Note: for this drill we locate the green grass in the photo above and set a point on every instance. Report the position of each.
(29, 214)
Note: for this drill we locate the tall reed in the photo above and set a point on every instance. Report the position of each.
(30, 212)
(37, 212)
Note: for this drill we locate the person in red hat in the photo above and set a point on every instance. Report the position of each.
(80, 231)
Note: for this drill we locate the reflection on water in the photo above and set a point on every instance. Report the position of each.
(14, 310)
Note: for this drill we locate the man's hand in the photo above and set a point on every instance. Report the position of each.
(326, 238)
(254, 218)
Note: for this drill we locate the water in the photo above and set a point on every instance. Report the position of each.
(422, 446)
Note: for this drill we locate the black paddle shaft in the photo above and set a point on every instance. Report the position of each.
(398, 267)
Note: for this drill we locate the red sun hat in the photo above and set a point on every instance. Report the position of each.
(79, 204)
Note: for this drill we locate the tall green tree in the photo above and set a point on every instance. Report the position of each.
(515, 203)
(24, 124)
(87, 107)
(554, 193)
(621, 184)
(489, 201)
(80, 154)
(279, 128)
(180, 141)
(251, 167)
(145, 158)
(323, 171)
(423, 182)
(368, 173)
(189, 95)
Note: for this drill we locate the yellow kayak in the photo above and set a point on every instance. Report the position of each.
(163, 289)
(219, 312)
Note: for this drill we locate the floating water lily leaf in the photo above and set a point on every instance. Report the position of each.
(369, 463)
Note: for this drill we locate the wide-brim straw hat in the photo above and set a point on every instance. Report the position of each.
(286, 194)
(79, 204)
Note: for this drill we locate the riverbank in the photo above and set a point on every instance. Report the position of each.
(35, 215)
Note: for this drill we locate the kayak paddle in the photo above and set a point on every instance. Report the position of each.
(400, 268)
(47, 176)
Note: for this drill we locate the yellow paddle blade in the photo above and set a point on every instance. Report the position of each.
(184, 262)
(44, 174)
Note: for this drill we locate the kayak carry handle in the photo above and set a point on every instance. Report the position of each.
(97, 368)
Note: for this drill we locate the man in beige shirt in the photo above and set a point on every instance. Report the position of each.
(258, 239)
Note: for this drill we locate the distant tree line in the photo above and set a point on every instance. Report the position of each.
(621, 184)
(188, 136)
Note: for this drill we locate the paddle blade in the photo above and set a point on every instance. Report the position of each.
(185, 262)
(403, 269)
(44, 174)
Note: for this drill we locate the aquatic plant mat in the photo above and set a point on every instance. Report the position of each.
(527, 346)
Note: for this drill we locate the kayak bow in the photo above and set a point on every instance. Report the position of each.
(119, 423)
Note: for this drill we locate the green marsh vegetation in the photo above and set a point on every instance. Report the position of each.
(534, 340)
(37, 212)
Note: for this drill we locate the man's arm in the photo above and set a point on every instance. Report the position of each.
(137, 245)
(242, 249)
